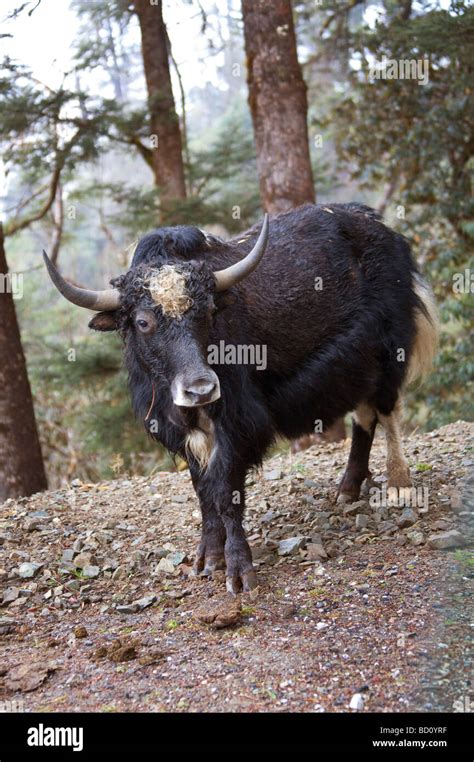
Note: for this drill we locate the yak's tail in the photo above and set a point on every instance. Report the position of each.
(427, 333)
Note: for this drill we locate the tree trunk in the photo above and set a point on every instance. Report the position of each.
(167, 157)
(279, 107)
(21, 462)
(278, 103)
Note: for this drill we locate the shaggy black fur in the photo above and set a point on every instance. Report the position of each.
(328, 349)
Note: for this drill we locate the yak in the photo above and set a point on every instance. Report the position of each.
(343, 320)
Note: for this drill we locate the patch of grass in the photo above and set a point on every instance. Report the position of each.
(300, 467)
(420, 467)
(108, 708)
(248, 610)
(171, 624)
(465, 559)
(316, 592)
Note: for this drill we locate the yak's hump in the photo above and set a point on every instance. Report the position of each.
(183, 242)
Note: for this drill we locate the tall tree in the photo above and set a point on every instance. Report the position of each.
(167, 158)
(21, 462)
(278, 103)
(279, 107)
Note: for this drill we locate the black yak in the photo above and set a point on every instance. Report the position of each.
(283, 330)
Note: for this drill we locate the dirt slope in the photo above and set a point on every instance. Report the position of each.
(359, 600)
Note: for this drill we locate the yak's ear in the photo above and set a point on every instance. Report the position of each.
(104, 321)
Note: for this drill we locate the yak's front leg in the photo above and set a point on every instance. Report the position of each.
(240, 574)
(228, 491)
(210, 551)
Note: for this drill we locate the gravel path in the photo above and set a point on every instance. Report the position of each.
(361, 607)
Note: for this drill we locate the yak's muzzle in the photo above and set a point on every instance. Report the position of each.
(195, 391)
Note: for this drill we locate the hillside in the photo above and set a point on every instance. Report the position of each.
(100, 611)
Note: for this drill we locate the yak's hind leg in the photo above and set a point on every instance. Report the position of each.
(399, 479)
(364, 421)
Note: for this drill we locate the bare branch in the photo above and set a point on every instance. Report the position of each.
(15, 227)
(340, 12)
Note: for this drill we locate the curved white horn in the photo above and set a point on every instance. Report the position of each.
(108, 299)
(237, 272)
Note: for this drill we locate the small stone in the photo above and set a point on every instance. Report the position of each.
(77, 545)
(128, 608)
(7, 624)
(73, 585)
(10, 594)
(84, 559)
(333, 549)
(18, 603)
(415, 538)
(91, 572)
(28, 570)
(407, 518)
(456, 501)
(68, 555)
(357, 702)
(33, 523)
(386, 526)
(445, 540)
(146, 601)
(316, 552)
(267, 517)
(272, 475)
(290, 546)
(322, 625)
(164, 567)
(351, 508)
(362, 521)
(289, 610)
(176, 558)
(441, 524)
(119, 573)
(80, 632)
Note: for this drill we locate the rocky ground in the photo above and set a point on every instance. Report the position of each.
(361, 607)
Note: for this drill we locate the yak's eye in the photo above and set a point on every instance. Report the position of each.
(145, 321)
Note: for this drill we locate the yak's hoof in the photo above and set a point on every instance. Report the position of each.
(243, 582)
(346, 497)
(204, 566)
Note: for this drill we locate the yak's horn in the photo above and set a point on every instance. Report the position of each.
(237, 272)
(108, 299)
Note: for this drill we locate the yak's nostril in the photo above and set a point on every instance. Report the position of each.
(200, 388)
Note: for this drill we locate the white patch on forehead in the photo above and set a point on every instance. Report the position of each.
(167, 287)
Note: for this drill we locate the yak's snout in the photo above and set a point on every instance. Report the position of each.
(194, 391)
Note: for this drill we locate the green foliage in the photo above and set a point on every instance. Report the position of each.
(412, 145)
